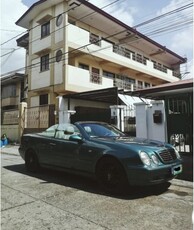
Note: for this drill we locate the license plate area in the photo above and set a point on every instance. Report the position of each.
(176, 169)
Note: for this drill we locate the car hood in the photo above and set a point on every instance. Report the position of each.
(136, 143)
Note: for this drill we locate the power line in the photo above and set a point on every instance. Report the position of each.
(65, 25)
(12, 38)
(77, 20)
(164, 15)
(14, 49)
(149, 21)
(84, 46)
(74, 7)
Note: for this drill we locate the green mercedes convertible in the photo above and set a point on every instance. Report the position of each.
(100, 150)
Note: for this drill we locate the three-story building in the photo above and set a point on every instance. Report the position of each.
(73, 46)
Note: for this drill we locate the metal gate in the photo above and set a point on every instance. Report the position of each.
(179, 113)
(39, 118)
(91, 114)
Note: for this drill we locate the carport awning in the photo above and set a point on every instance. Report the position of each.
(130, 100)
(108, 95)
(161, 91)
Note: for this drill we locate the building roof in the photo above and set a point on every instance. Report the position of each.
(11, 78)
(106, 23)
(161, 91)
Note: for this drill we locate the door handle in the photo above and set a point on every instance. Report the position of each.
(53, 144)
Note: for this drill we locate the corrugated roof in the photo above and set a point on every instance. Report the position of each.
(160, 91)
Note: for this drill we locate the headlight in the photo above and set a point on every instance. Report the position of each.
(177, 153)
(145, 158)
(155, 159)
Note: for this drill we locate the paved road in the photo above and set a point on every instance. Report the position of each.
(54, 200)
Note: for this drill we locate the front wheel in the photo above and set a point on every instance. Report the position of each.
(31, 161)
(111, 176)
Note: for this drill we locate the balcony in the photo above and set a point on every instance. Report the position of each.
(79, 80)
(84, 41)
(9, 101)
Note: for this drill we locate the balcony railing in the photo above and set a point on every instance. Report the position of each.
(160, 67)
(94, 39)
(139, 58)
(129, 54)
(122, 84)
(120, 81)
(96, 78)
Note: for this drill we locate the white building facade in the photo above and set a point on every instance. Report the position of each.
(73, 46)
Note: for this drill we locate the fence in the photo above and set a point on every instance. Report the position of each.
(26, 120)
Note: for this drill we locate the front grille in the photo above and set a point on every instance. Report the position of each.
(168, 155)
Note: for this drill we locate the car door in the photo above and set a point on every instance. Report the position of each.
(45, 147)
(87, 155)
(64, 153)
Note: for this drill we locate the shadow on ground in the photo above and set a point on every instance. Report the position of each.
(187, 173)
(88, 184)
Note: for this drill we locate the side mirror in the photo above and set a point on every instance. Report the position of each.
(75, 138)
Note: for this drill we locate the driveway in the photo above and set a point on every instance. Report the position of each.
(57, 200)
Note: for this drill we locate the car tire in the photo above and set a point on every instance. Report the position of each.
(111, 176)
(31, 161)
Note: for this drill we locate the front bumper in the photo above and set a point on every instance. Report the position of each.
(144, 175)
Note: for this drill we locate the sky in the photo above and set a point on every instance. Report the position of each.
(167, 30)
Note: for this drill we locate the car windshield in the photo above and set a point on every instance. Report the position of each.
(101, 130)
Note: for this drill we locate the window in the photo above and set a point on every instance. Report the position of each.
(83, 66)
(45, 29)
(59, 20)
(147, 85)
(140, 84)
(108, 74)
(59, 55)
(8, 91)
(44, 60)
(154, 64)
(43, 99)
(131, 80)
(139, 58)
(145, 59)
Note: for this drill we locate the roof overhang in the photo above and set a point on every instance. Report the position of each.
(13, 78)
(91, 15)
(108, 95)
(162, 91)
(23, 41)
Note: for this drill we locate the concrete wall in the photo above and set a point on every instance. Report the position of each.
(11, 132)
(145, 125)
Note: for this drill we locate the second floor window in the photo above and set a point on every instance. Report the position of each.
(44, 63)
(108, 74)
(8, 91)
(83, 66)
(43, 99)
(45, 29)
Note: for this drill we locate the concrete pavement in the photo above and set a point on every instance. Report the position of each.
(55, 200)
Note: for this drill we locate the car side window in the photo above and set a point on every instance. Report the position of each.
(67, 132)
(48, 133)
